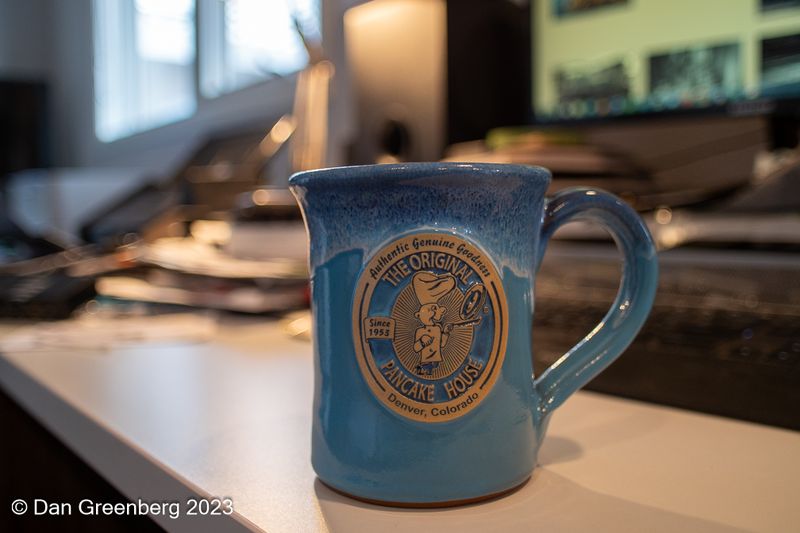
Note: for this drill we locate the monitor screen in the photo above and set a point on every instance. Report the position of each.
(612, 58)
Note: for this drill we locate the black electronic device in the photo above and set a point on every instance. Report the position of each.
(723, 336)
(23, 136)
(429, 73)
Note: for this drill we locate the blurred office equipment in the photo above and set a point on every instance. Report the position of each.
(397, 51)
(428, 73)
(666, 108)
(239, 162)
(776, 190)
(29, 288)
(309, 145)
(723, 336)
(156, 224)
(691, 104)
(24, 135)
(44, 295)
(158, 228)
(24, 144)
(710, 114)
(231, 163)
(189, 271)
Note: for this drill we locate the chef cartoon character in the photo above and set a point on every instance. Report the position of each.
(431, 336)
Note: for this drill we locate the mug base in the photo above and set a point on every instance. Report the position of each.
(431, 505)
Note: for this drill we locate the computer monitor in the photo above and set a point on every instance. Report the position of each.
(611, 59)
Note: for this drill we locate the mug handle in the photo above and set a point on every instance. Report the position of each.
(630, 308)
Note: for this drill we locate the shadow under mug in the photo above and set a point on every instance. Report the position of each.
(422, 279)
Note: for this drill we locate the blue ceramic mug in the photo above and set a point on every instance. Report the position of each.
(422, 280)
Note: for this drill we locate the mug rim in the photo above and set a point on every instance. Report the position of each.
(367, 174)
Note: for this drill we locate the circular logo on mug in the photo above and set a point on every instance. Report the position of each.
(430, 323)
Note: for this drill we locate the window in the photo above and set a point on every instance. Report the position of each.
(247, 41)
(146, 52)
(144, 64)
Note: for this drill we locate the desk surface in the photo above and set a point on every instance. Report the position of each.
(232, 417)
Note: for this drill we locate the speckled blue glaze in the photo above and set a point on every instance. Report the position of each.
(361, 447)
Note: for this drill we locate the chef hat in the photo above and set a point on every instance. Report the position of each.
(429, 287)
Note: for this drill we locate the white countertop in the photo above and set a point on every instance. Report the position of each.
(232, 417)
